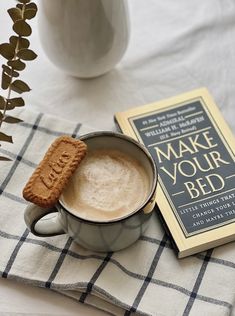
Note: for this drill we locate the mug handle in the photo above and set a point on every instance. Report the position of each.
(47, 227)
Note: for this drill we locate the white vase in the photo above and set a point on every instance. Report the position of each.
(85, 38)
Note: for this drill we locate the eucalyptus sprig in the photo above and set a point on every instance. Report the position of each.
(16, 52)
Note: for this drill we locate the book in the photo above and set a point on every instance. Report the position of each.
(193, 149)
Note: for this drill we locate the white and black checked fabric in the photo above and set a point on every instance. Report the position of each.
(145, 279)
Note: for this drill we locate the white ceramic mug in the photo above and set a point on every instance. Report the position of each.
(107, 235)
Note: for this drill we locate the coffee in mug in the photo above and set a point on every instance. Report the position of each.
(108, 184)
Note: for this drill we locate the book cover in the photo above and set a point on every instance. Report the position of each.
(193, 148)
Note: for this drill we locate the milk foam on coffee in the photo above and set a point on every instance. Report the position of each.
(107, 185)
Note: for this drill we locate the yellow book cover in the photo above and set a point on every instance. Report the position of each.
(193, 148)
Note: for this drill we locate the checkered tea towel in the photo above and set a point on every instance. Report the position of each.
(145, 279)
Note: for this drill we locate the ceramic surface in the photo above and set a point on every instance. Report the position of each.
(85, 38)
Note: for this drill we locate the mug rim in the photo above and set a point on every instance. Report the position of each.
(153, 185)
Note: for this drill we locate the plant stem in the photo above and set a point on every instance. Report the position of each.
(11, 76)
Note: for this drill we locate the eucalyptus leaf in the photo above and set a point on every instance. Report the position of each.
(12, 120)
(17, 64)
(31, 5)
(15, 14)
(9, 106)
(22, 42)
(26, 54)
(6, 81)
(5, 138)
(15, 74)
(9, 71)
(22, 28)
(30, 14)
(20, 86)
(24, 1)
(2, 103)
(2, 158)
(20, 6)
(1, 115)
(16, 102)
(7, 51)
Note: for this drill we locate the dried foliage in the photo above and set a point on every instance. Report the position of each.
(16, 52)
